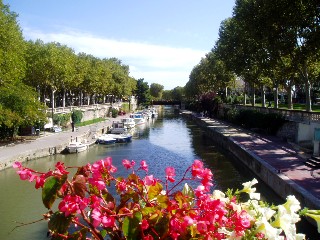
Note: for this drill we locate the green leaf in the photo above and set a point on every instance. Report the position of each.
(162, 226)
(50, 190)
(163, 201)
(188, 191)
(58, 223)
(147, 211)
(131, 226)
(179, 197)
(154, 191)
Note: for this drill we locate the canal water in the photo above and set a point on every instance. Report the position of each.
(168, 140)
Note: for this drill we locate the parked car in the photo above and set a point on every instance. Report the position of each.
(56, 129)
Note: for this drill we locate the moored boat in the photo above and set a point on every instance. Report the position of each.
(105, 139)
(138, 118)
(121, 138)
(117, 128)
(128, 122)
(75, 147)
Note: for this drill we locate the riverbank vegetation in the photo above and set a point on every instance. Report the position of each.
(267, 48)
(35, 76)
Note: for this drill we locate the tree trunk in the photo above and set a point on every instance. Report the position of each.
(80, 98)
(263, 96)
(276, 98)
(308, 95)
(52, 103)
(289, 94)
(63, 98)
(253, 96)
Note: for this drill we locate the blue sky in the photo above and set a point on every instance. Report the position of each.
(161, 41)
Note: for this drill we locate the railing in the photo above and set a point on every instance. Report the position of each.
(82, 108)
(291, 115)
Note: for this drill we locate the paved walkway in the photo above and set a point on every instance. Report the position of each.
(47, 140)
(284, 157)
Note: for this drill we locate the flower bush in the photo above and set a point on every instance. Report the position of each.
(144, 207)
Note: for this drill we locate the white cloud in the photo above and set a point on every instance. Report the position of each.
(168, 66)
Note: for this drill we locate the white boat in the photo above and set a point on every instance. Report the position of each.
(106, 139)
(117, 128)
(128, 122)
(121, 138)
(75, 147)
(138, 118)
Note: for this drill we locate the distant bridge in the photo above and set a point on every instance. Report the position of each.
(166, 102)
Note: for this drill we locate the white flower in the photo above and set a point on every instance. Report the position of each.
(217, 194)
(286, 221)
(247, 188)
(292, 205)
(269, 231)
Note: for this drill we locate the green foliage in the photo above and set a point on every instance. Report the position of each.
(251, 119)
(12, 46)
(59, 223)
(156, 90)
(61, 119)
(85, 123)
(142, 92)
(76, 116)
(50, 190)
(114, 112)
(131, 226)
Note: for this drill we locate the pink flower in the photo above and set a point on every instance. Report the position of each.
(188, 220)
(202, 227)
(17, 165)
(170, 173)
(101, 218)
(100, 184)
(107, 221)
(96, 217)
(144, 166)
(149, 180)
(68, 205)
(40, 180)
(148, 237)
(197, 168)
(144, 224)
(60, 168)
(95, 201)
(126, 163)
(24, 174)
(122, 185)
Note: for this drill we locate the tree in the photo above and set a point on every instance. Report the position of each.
(142, 92)
(12, 47)
(156, 90)
(18, 103)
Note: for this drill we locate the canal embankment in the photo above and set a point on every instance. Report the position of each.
(49, 143)
(273, 160)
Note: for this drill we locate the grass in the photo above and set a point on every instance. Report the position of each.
(93, 121)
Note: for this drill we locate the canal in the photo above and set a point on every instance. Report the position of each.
(168, 140)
